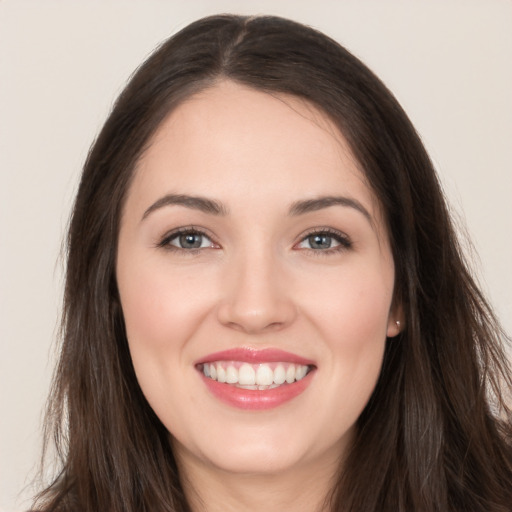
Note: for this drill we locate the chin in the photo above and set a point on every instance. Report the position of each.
(261, 450)
(257, 460)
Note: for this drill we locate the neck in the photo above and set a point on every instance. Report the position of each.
(304, 488)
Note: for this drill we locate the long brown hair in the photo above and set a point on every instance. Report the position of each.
(436, 434)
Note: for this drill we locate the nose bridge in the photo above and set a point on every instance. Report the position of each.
(255, 297)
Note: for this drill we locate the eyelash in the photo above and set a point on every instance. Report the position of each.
(341, 238)
(165, 243)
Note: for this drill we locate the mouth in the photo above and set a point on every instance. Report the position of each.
(261, 376)
(255, 379)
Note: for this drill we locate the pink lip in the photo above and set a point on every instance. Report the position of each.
(256, 400)
(249, 355)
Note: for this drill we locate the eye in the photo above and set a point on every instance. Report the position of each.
(318, 241)
(189, 239)
(325, 240)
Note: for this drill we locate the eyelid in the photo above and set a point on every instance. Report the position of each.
(183, 230)
(342, 238)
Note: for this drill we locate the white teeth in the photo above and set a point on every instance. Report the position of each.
(255, 376)
(300, 373)
(290, 374)
(231, 375)
(265, 375)
(279, 374)
(221, 374)
(247, 375)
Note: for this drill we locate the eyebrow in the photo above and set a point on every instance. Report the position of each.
(193, 202)
(214, 207)
(313, 205)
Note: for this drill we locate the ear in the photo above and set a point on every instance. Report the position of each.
(396, 321)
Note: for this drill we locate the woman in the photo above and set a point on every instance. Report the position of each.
(266, 305)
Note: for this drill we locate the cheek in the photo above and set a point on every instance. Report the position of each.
(355, 306)
(353, 318)
(161, 314)
(160, 308)
(164, 311)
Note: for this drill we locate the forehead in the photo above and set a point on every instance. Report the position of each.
(236, 142)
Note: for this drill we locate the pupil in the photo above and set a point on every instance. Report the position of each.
(320, 241)
(190, 241)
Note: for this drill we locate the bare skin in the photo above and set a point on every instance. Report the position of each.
(249, 227)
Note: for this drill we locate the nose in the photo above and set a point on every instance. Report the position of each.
(256, 297)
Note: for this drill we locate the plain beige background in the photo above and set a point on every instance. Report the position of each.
(63, 62)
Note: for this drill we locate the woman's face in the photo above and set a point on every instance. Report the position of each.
(256, 282)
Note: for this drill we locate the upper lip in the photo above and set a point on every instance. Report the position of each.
(254, 356)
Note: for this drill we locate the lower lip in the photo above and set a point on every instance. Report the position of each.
(257, 400)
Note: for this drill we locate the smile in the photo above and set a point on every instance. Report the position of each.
(251, 379)
(260, 377)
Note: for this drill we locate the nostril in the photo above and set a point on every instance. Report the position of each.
(250, 319)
